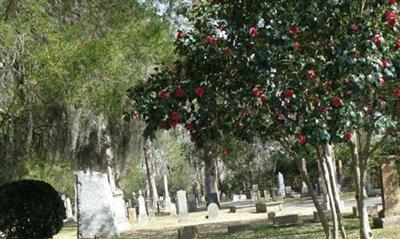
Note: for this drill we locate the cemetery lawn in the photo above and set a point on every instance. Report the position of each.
(307, 231)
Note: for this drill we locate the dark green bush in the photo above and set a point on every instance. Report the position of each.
(30, 209)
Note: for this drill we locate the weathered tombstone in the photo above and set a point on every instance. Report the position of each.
(189, 232)
(119, 208)
(281, 185)
(391, 193)
(304, 190)
(192, 202)
(261, 207)
(143, 217)
(255, 193)
(181, 203)
(271, 216)
(288, 191)
(239, 228)
(212, 210)
(267, 196)
(172, 209)
(235, 197)
(369, 188)
(213, 198)
(132, 215)
(287, 220)
(95, 212)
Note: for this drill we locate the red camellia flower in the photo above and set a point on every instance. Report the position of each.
(281, 117)
(179, 93)
(354, 28)
(297, 45)
(294, 30)
(390, 15)
(174, 123)
(384, 63)
(180, 34)
(224, 152)
(161, 94)
(255, 91)
(175, 116)
(263, 98)
(288, 94)
(336, 102)
(211, 39)
(396, 92)
(392, 2)
(377, 40)
(398, 44)
(391, 23)
(199, 91)
(253, 31)
(311, 74)
(347, 136)
(302, 139)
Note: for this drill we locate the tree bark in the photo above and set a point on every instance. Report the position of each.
(210, 175)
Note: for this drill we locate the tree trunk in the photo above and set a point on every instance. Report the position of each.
(210, 177)
(360, 169)
(329, 157)
(149, 183)
(301, 164)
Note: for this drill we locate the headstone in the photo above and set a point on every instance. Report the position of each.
(255, 193)
(391, 193)
(271, 216)
(304, 190)
(181, 203)
(95, 212)
(287, 220)
(266, 195)
(143, 218)
(121, 218)
(189, 232)
(261, 207)
(369, 188)
(242, 197)
(281, 185)
(132, 215)
(172, 209)
(239, 228)
(212, 210)
(235, 198)
(192, 202)
(288, 191)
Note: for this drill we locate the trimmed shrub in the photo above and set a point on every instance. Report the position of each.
(30, 209)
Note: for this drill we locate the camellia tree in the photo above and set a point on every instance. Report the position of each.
(272, 69)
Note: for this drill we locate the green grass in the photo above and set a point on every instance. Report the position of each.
(306, 231)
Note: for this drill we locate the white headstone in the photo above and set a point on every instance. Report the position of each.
(143, 218)
(212, 210)
(167, 198)
(95, 212)
(181, 203)
(120, 211)
(281, 185)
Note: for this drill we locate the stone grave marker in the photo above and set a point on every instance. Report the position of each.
(212, 210)
(192, 202)
(120, 212)
(239, 228)
(261, 207)
(304, 190)
(181, 203)
(391, 193)
(287, 220)
(143, 217)
(281, 185)
(132, 215)
(188, 232)
(95, 206)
